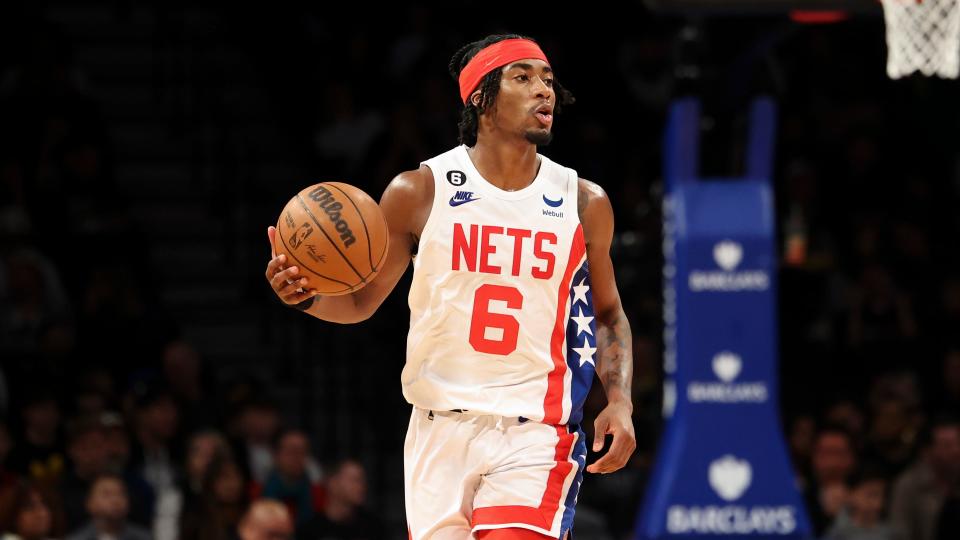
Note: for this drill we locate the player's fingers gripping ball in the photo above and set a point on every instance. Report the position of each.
(335, 234)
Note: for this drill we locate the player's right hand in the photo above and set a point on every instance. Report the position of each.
(285, 281)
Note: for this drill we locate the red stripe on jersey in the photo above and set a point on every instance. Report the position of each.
(561, 469)
(506, 515)
(553, 401)
(543, 515)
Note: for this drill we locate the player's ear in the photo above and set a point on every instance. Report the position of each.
(475, 98)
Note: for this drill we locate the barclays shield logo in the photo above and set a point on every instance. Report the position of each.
(727, 254)
(726, 366)
(730, 477)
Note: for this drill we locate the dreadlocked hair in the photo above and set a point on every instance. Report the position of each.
(490, 87)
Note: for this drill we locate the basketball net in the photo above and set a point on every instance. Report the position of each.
(924, 36)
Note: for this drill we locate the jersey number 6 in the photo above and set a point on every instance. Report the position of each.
(483, 319)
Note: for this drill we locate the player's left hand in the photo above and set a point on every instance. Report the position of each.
(615, 419)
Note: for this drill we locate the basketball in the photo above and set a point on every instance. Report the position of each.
(335, 234)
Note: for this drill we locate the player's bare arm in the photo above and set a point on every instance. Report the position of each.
(406, 205)
(614, 342)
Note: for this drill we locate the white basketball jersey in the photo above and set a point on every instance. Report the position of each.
(501, 313)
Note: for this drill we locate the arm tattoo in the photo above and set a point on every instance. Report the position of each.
(582, 195)
(615, 358)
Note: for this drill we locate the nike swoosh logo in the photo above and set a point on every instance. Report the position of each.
(554, 204)
(454, 202)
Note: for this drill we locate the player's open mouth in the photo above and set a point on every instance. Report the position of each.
(544, 117)
(544, 114)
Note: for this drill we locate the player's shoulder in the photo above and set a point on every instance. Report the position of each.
(590, 189)
(415, 184)
(407, 200)
(589, 196)
(414, 177)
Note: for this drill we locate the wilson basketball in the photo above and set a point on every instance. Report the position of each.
(335, 234)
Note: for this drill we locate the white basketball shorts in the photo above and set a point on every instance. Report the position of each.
(464, 473)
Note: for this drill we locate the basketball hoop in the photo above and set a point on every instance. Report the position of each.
(924, 36)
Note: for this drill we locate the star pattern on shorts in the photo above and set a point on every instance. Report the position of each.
(580, 292)
(583, 323)
(586, 352)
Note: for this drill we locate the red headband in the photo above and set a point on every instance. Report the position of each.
(497, 55)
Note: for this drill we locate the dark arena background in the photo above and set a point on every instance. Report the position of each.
(145, 148)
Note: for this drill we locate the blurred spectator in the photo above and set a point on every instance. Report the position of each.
(258, 422)
(803, 433)
(87, 450)
(89, 402)
(140, 493)
(848, 415)
(157, 456)
(222, 503)
(881, 315)
(107, 506)
(183, 372)
(32, 297)
(896, 421)
(40, 453)
(30, 511)
(203, 448)
(344, 517)
(862, 518)
(920, 492)
(831, 463)
(95, 392)
(892, 435)
(117, 441)
(266, 520)
(155, 449)
(290, 481)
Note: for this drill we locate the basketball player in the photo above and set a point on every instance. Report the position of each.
(513, 308)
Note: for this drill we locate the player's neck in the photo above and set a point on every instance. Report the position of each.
(507, 164)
